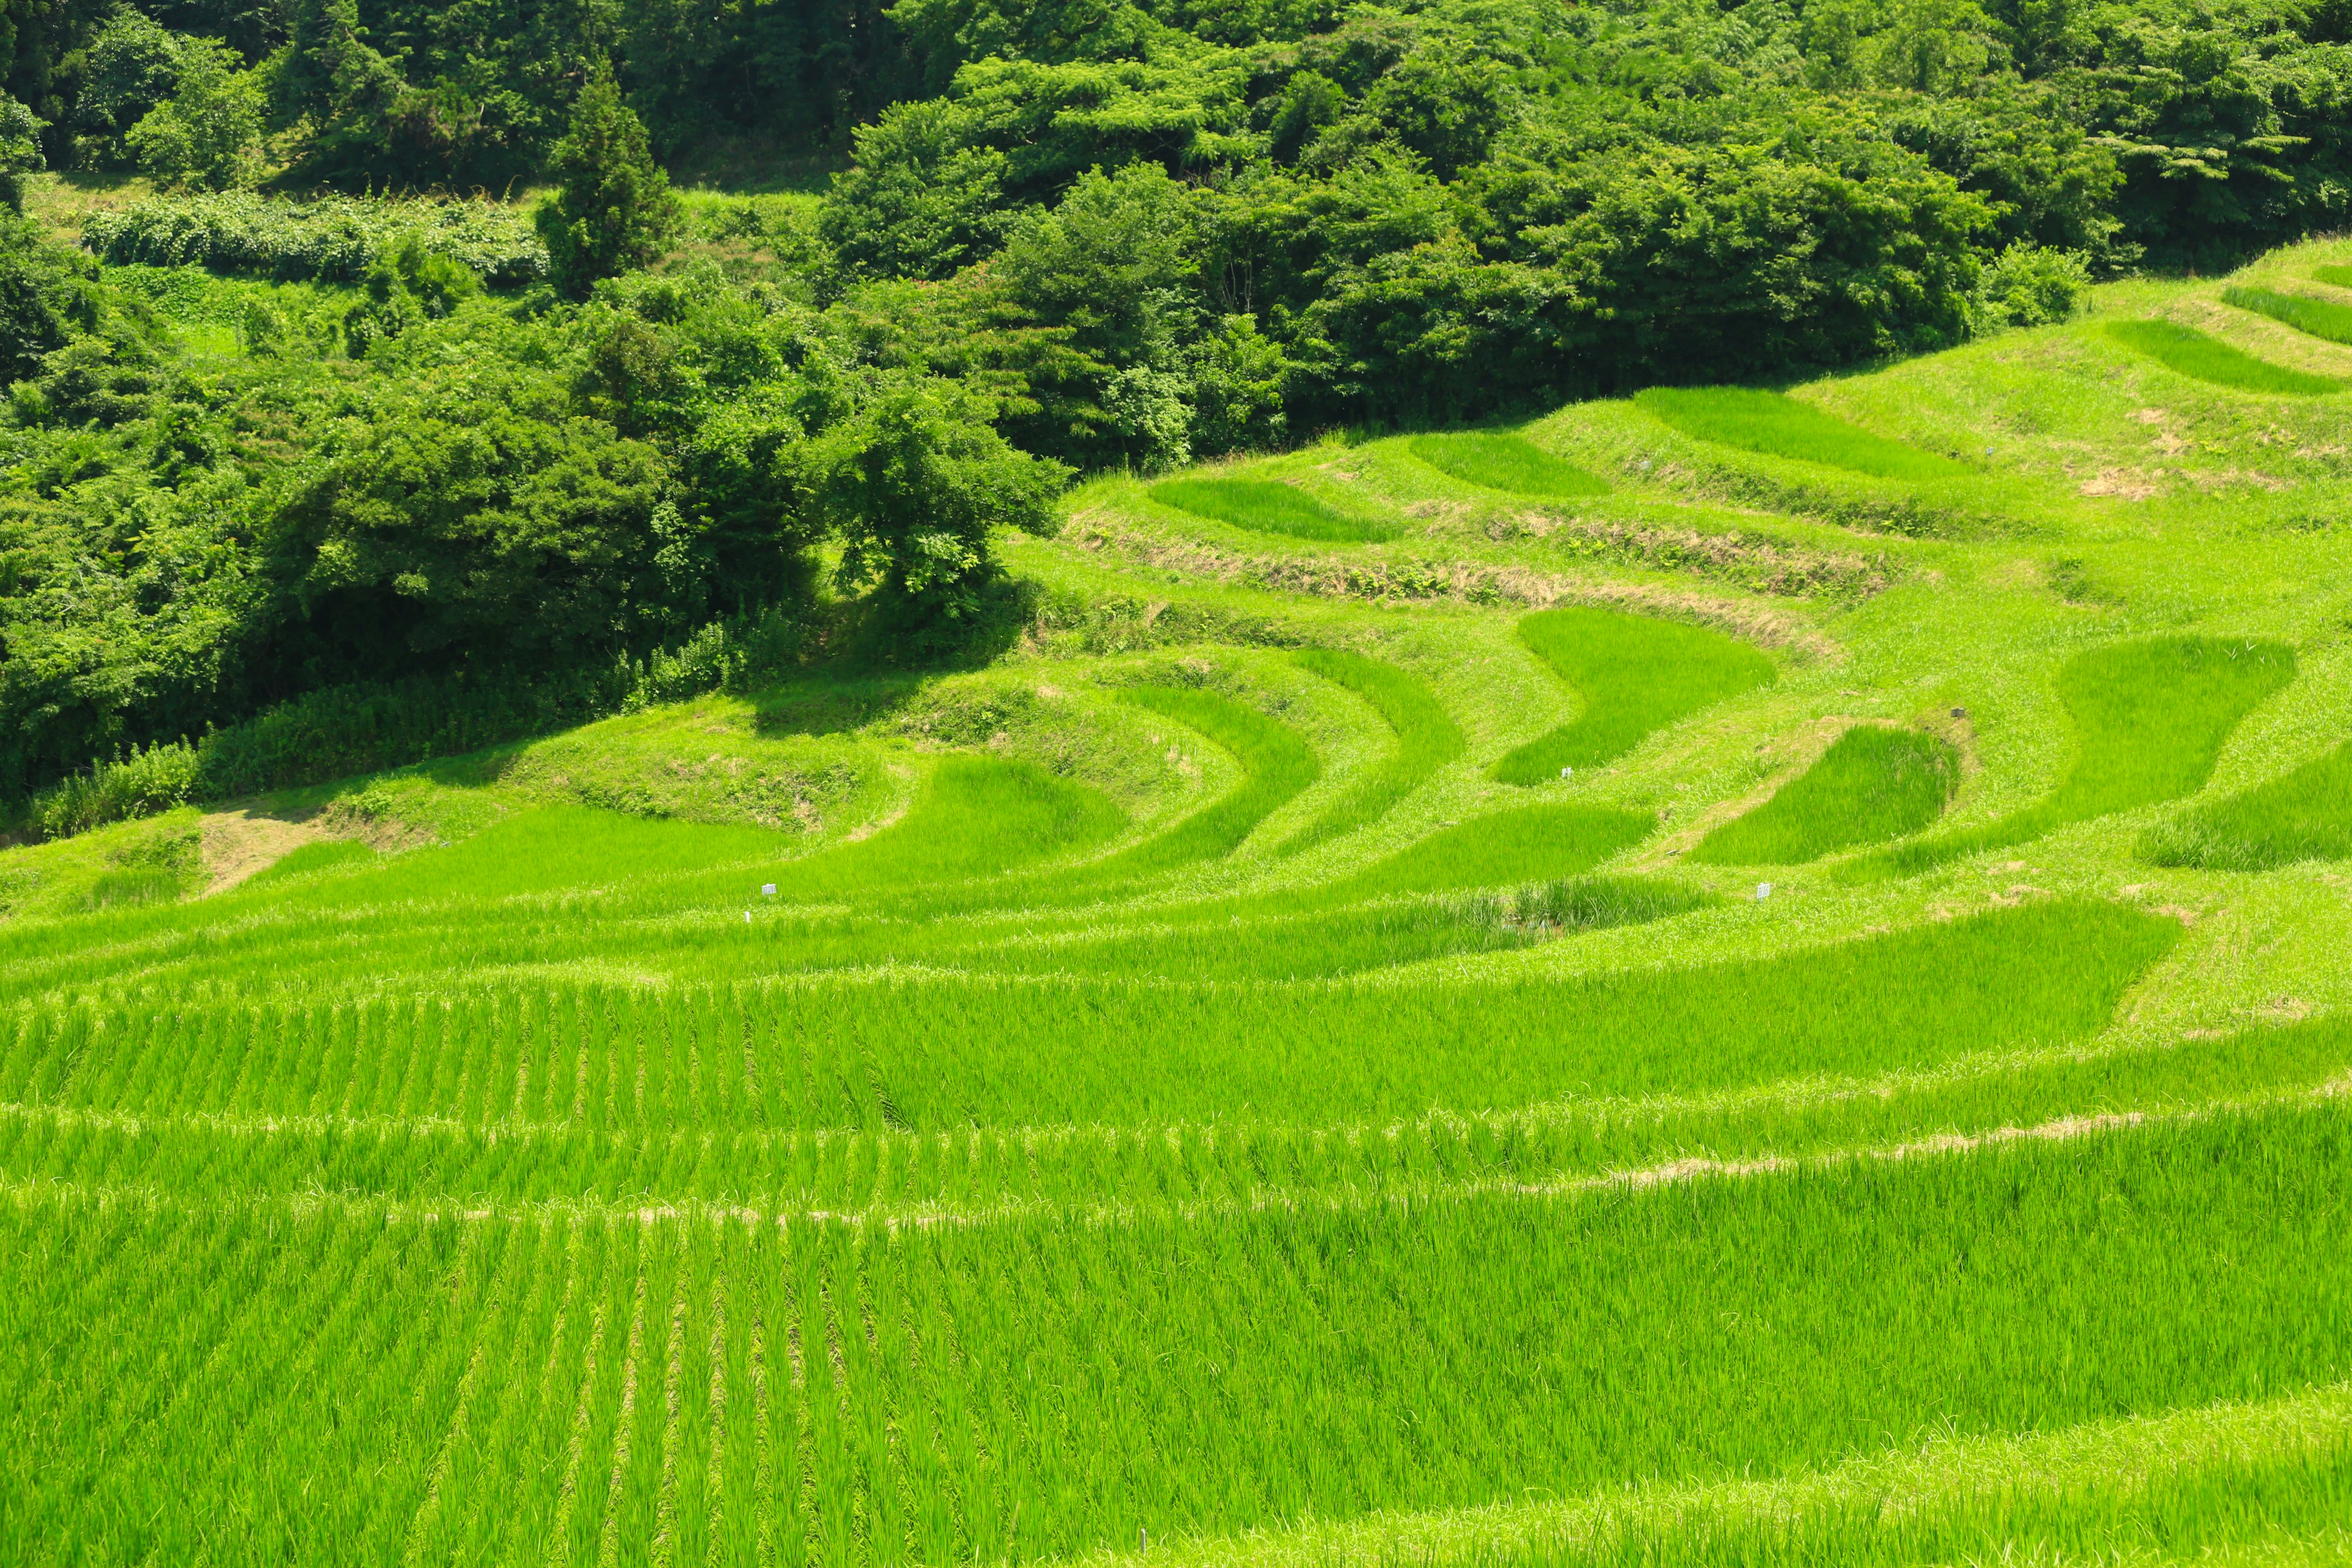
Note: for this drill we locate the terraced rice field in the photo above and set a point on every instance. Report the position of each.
(1779, 1007)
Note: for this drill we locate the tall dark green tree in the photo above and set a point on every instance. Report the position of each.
(615, 210)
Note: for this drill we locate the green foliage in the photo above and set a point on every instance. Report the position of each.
(2320, 318)
(332, 239)
(2306, 815)
(408, 285)
(2027, 286)
(2187, 351)
(1870, 786)
(1268, 506)
(1500, 462)
(1633, 675)
(614, 209)
(2150, 718)
(1779, 425)
(207, 134)
(142, 782)
(20, 150)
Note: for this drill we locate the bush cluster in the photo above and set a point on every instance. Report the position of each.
(332, 239)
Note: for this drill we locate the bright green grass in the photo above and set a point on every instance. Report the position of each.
(943, 1050)
(327, 855)
(2318, 317)
(979, 817)
(2339, 276)
(1510, 849)
(1779, 425)
(2192, 353)
(1276, 764)
(1268, 506)
(1427, 739)
(1635, 674)
(1502, 462)
(2150, 718)
(2306, 815)
(1874, 784)
(1208, 1373)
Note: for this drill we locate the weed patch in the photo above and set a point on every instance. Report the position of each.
(1635, 675)
(1872, 784)
(1779, 426)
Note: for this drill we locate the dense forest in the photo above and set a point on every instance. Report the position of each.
(507, 425)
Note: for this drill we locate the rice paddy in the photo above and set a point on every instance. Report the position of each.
(1635, 675)
(1406, 1044)
(2202, 357)
(2319, 317)
(1783, 426)
(1503, 462)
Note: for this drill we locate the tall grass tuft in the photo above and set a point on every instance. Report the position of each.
(1267, 506)
(1635, 674)
(2189, 353)
(1874, 784)
(1501, 462)
(1779, 426)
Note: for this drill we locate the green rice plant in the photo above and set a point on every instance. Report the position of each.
(1779, 426)
(1597, 904)
(2336, 276)
(1501, 462)
(1269, 506)
(1427, 739)
(1276, 766)
(2149, 717)
(2192, 353)
(1510, 848)
(1872, 784)
(2306, 815)
(2318, 317)
(978, 817)
(325, 855)
(132, 886)
(1635, 674)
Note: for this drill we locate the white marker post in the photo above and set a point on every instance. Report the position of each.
(1763, 891)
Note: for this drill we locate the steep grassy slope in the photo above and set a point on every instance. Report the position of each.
(1208, 1086)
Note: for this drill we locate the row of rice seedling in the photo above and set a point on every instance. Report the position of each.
(1779, 426)
(1874, 784)
(2318, 317)
(977, 816)
(1498, 461)
(1427, 739)
(2186, 352)
(1270, 506)
(2150, 719)
(1041, 1389)
(1635, 674)
(2306, 815)
(932, 1050)
(979, 1176)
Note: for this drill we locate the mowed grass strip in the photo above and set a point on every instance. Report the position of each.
(1635, 674)
(1874, 784)
(1214, 1376)
(2187, 351)
(928, 1050)
(1779, 426)
(1503, 462)
(1427, 739)
(1269, 506)
(2150, 719)
(2306, 815)
(2316, 318)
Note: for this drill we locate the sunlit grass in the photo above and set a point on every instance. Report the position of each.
(1426, 739)
(2189, 353)
(1501, 462)
(1268, 506)
(2149, 717)
(2306, 815)
(1779, 425)
(1634, 673)
(1875, 783)
(2318, 317)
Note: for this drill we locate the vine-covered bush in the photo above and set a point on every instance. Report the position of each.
(334, 239)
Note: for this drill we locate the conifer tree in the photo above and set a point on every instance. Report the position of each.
(614, 209)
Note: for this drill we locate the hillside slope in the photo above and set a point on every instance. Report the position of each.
(1265, 1069)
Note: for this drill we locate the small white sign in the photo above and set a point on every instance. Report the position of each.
(1763, 891)
(767, 889)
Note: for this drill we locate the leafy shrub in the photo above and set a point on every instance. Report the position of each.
(2029, 286)
(138, 782)
(334, 239)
